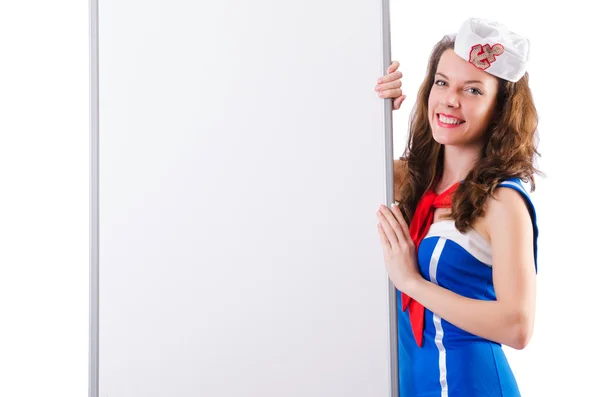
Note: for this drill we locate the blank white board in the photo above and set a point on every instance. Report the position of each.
(239, 154)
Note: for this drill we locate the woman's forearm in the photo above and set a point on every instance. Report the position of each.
(491, 320)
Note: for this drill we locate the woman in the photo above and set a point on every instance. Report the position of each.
(465, 268)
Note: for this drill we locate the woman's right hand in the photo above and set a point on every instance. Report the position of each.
(390, 85)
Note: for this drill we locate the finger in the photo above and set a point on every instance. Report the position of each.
(394, 66)
(403, 226)
(394, 93)
(389, 86)
(384, 241)
(390, 233)
(394, 225)
(390, 77)
(398, 102)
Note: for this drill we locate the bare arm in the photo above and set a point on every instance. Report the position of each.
(509, 319)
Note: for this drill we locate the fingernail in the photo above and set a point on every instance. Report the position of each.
(378, 81)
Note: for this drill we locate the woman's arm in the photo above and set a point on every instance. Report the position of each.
(509, 319)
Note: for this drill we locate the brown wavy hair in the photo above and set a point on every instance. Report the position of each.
(508, 151)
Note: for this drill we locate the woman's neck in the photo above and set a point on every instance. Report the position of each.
(458, 162)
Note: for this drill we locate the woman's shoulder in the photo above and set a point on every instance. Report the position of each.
(509, 196)
(400, 167)
(510, 200)
(400, 171)
(513, 192)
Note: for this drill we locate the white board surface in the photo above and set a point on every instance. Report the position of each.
(239, 156)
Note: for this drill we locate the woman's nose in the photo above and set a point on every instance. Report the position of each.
(450, 100)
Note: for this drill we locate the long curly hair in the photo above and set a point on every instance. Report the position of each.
(508, 151)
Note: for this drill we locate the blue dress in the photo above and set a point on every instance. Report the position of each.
(453, 362)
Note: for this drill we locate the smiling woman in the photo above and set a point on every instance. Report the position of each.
(461, 101)
(465, 268)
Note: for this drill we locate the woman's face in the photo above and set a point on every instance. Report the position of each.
(461, 101)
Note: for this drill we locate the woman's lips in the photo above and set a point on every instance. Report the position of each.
(448, 125)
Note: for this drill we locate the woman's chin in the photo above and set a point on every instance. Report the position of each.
(442, 139)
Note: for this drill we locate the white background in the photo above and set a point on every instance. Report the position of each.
(44, 176)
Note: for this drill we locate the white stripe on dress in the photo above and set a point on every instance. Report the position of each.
(515, 184)
(437, 321)
(471, 241)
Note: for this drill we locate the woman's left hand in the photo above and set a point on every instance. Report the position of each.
(390, 85)
(398, 248)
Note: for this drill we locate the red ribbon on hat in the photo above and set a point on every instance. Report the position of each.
(422, 220)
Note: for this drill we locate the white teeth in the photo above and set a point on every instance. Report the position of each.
(447, 120)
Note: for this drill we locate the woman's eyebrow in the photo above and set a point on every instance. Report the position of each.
(466, 82)
(473, 81)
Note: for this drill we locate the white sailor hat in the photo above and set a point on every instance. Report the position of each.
(491, 46)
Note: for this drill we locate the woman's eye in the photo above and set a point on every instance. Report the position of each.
(475, 91)
(440, 82)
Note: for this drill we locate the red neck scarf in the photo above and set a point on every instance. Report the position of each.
(422, 220)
